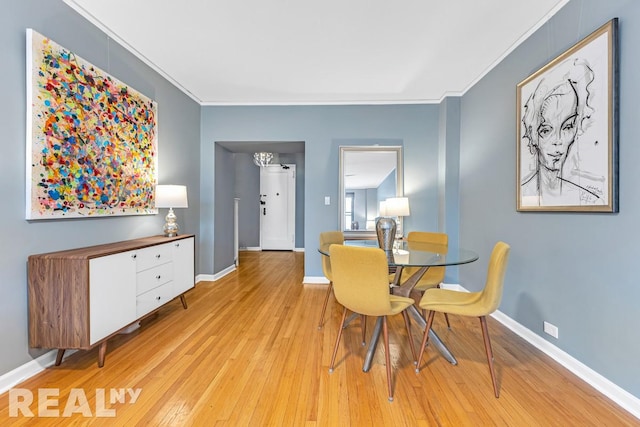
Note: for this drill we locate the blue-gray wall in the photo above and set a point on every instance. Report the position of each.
(386, 189)
(575, 270)
(449, 170)
(323, 129)
(298, 160)
(178, 149)
(224, 172)
(247, 189)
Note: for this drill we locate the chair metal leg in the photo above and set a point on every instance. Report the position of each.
(373, 344)
(407, 323)
(335, 349)
(425, 338)
(489, 351)
(349, 320)
(387, 357)
(363, 320)
(324, 306)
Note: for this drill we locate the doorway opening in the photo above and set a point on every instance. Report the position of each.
(238, 177)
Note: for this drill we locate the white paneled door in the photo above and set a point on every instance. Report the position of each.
(277, 207)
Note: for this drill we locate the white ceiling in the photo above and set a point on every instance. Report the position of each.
(275, 52)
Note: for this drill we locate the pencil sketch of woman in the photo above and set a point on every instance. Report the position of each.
(555, 115)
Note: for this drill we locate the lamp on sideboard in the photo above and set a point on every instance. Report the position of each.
(386, 225)
(171, 196)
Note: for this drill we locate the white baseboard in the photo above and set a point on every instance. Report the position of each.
(213, 277)
(29, 369)
(298, 249)
(219, 275)
(620, 396)
(315, 280)
(452, 287)
(614, 392)
(205, 278)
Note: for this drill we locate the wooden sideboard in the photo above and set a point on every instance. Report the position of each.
(79, 298)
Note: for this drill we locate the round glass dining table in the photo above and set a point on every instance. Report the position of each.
(416, 254)
(412, 254)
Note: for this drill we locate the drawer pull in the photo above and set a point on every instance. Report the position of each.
(158, 256)
(158, 277)
(158, 298)
(134, 256)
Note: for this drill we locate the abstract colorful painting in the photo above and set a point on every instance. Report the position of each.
(91, 139)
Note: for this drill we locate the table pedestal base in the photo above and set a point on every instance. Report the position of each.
(433, 338)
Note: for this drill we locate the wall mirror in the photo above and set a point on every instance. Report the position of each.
(368, 175)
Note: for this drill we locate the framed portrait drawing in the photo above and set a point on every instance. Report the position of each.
(567, 130)
(91, 139)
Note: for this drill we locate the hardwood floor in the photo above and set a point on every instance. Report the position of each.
(247, 351)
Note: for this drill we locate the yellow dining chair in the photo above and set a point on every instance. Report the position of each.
(437, 242)
(360, 284)
(327, 238)
(476, 304)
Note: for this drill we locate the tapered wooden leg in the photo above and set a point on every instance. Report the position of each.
(425, 338)
(387, 357)
(407, 323)
(59, 356)
(324, 306)
(102, 351)
(335, 349)
(364, 329)
(183, 300)
(489, 351)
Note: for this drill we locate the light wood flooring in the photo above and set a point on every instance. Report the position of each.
(247, 352)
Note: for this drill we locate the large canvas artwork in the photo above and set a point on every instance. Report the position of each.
(567, 142)
(91, 139)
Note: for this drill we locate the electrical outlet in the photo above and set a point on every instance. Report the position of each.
(551, 329)
(327, 200)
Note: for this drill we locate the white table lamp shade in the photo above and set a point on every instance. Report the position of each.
(383, 208)
(171, 196)
(397, 206)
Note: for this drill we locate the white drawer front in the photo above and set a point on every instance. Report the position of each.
(153, 299)
(154, 277)
(153, 256)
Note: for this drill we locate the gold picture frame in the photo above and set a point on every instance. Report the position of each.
(567, 129)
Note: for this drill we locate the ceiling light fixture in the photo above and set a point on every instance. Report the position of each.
(262, 159)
